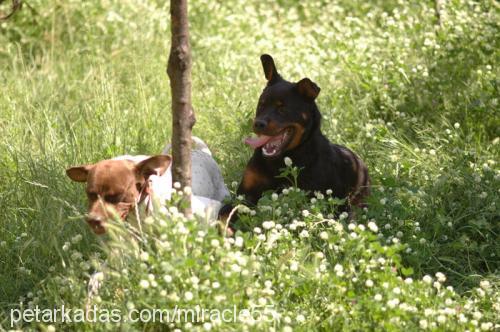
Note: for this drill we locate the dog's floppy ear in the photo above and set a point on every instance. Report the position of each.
(78, 173)
(308, 88)
(269, 67)
(156, 165)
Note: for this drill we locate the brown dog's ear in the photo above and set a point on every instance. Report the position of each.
(269, 69)
(78, 173)
(156, 165)
(308, 88)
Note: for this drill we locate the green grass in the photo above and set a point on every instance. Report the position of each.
(83, 81)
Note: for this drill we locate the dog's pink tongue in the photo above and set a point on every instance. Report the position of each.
(257, 142)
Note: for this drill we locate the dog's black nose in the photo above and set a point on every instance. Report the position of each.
(259, 124)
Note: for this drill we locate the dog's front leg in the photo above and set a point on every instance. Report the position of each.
(251, 187)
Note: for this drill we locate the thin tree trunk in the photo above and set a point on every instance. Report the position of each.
(438, 7)
(179, 73)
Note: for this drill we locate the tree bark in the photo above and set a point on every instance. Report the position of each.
(438, 7)
(179, 73)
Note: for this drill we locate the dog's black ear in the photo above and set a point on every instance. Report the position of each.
(269, 67)
(308, 88)
(78, 173)
(156, 165)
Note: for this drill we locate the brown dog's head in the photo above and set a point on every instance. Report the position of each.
(115, 186)
(286, 112)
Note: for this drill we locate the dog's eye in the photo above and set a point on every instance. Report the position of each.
(280, 106)
(113, 199)
(138, 186)
(92, 196)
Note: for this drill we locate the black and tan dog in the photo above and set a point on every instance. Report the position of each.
(288, 124)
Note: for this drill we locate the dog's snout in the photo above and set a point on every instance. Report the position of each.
(259, 124)
(96, 223)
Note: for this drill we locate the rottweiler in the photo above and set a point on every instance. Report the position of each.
(288, 124)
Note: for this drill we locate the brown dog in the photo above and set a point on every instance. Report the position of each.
(116, 186)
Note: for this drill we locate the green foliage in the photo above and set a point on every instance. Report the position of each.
(85, 80)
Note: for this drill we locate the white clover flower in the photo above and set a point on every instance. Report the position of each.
(77, 238)
(187, 190)
(188, 296)
(440, 277)
(377, 297)
(236, 268)
(329, 192)
(215, 285)
(373, 226)
(268, 224)
(66, 246)
(238, 241)
(234, 184)
(486, 326)
(294, 266)
(288, 161)
(397, 290)
(428, 312)
(287, 328)
(408, 281)
(351, 226)
(369, 283)
(305, 213)
(339, 270)
(392, 303)
(214, 243)
(167, 278)
(320, 255)
(432, 152)
(423, 324)
(441, 319)
(274, 196)
(456, 125)
(144, 284)
(304, 234)
(383, 201)
(51, 328)
(177, 185)
(343, 215)
(300, 318)
(485, 284)
(207, 326)
(144, 256)
(323, 235)
(257, 230)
